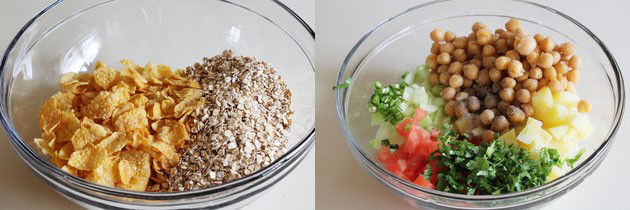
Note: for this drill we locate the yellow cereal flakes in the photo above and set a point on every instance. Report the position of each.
(118, 128)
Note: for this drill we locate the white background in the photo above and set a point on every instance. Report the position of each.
(342, 184)
(20, 189)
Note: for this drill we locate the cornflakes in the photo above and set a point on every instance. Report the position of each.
(118, 128)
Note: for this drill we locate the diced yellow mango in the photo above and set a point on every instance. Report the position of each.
(509, 137)
(565, 98)
(533, 122)
(558, 131)
(556, 115)
(542, 99)
(582, 125)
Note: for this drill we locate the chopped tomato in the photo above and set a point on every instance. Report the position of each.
(385, 156)
(418, 115)
(403, 128)
(417, 136)
(423, 182)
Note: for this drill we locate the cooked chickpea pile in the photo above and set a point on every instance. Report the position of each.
(489, 78)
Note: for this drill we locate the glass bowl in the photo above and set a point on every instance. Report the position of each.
(70, 36)
(402, 42)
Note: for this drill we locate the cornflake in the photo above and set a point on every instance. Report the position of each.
(114, 127)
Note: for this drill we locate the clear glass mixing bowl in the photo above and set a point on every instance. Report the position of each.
(69, 36)
(402, 42)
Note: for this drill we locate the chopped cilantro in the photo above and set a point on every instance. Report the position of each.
(571, 161)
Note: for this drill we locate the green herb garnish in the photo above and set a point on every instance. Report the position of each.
(385, 142)
(386, 100)
(343, 85)
(490, 168)
(571, 161)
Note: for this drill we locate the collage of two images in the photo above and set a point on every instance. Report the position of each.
(313, 104)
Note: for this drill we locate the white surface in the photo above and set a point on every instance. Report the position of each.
(342, 184)
(20, 189)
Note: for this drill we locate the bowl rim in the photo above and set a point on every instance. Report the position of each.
(19, 144)
(597, 154)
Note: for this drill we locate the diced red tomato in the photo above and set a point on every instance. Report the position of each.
(417, 136)
(418, 115)
(420, 180)
(385, 156)
(398, 167)
(400, 128)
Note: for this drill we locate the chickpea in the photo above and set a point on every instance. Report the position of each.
(449, 108)
(477, 25)
(520, 33)
(443, 68)
(583, 106)
(431, 62)
(434, 78)
(461, 96)
(555, 86)
(526, 46)
(488, 135)
(522, 78)
(570, 87)
(523, 96)
(470, 71)
(473, 48)
(447, 48)
(542, 83)
(556, 57)
(518, 86)
(456, 80)
(435, 48)
(510, 37)
(467, 83)
(444, 77)
(528, 109)
(515, 69)
(567, 48)
(483, 78)
(535, 73)
(501, 63)
(490, 101)
(530, 84)
(532, 58)
(508, 82)
(444, 58)
(437, 35)
(484, 36)
(502, 106)
(455, 67)
(474, 104)
(575, 62)
(500, 123)
(515, 115)
(561, 67)
(488, 62)
(545, 60)
(507, 94)
(460, 42)
(472, 37)
(550, 73)
(501, 46)
(547, 44)
(512, 24)
(574, 76)
(476, 62)
(449, 36)
(563, 80)
(513, 55)
(494, 75)
(460, 55)
(539, 38)
(461, 110)
(496, 88)
(526, 65)
(448, 93)
(488, 50)
(486, 117)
